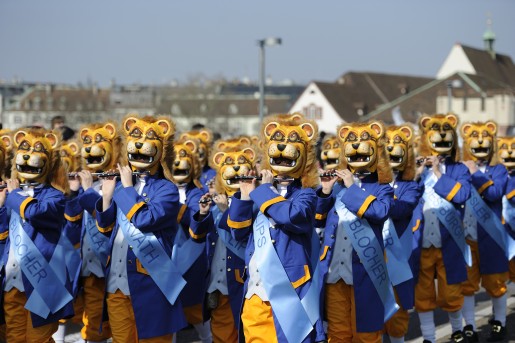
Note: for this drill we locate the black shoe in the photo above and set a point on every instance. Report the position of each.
(458, 337)
(471, 335)
(498, 332)
(426, 341)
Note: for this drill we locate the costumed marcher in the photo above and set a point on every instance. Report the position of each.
(140, 216)
(358, 296)
(70, 239)
(226, 256)
(36, 286)
(205, 137)
(100, 152)
(446, 188)
(485, 233)
(5, 145)
(186, 171)
(399, 244)
(281, 292)
(506, 154)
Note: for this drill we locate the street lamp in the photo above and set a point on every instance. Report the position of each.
(271, 41)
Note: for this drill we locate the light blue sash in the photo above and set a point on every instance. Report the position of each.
(99, 242)
(154, 258)
(397, 253)
(49, 295)
(71, 256)
(297, 318)
(491, 223)
(238, 248)
(366, 245)
(450, 219)
(508, 213)
(185, 251)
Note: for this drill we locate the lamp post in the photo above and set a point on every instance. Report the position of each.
(450, 85)
(271, 41)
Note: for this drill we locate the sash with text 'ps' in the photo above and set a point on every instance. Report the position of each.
(398, 252)
(237, 247)
(185, 251)
(450, 219)
(98, 242)
(508, 213)
(154, 258)
(491, 223)
(297, 317)
(369, 251)
(49, 295)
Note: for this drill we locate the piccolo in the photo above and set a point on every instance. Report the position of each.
(259, 178)
(421, 160)
(106, 174)
(206, 200)
(28, 184)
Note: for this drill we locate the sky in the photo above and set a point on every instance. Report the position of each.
(159, 41)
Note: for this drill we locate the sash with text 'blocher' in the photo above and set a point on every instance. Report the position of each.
(48, 278)
(297, 318)
(491, 223)
(369, 251)
(154, 258)
(450, 219)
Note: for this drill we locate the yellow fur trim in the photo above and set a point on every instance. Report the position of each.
(238, 225)
(417, 226)
(453, 191)
(320, 216)
(510, 194)
(194, 236)
(134, 209)
(270, 202)
(304, 279)
(365, 205)
(106, 229)
(485, 186)
(24, 205)
(4, 235)
(74, 218)
(324, 254)
(182, 210)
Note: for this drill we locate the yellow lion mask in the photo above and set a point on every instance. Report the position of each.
(290, 147)
(149, 144)
(330, 153)
(399, 146)
(438, 136)
(230, 164)
(205, 137)
(479, 142)
(70, 156)
(363, 148)
(101, 147)
(36, 158)
(506, 152)
(186, 167)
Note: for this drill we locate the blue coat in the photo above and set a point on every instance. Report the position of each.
(372, 202)
(207, 174)
(44, 220)
(491, 185)
(510, 195)
(154, 211)
(196, 277)
(294, 215)
(454, 186)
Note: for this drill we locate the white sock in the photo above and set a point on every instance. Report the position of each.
(204, 331)
(396, 339)
(456, 320)
(499, 305)
(427, 325)
(58, 336)
(468, 311)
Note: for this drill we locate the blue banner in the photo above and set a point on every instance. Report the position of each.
(71, 256)
(154, 258)
(296, 317)
(185, 251)
(238, 248)
(366, 245)
(450, 219)
(49, 294)
(397, 254)
(491, 223)
(98, 241)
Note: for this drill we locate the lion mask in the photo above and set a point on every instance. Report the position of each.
(506, 152)
(479, 142)
(101, 147)
(438, 136)
(230, 164)
(399, 146)
(205, 137)
(186, 167)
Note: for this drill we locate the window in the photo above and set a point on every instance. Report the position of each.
(312, 112)
(233, 109)
(465, 103)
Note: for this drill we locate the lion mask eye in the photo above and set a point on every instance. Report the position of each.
(87, 140)
(365, 136)
(446, 126)
(182, 153)
(435, 126)
(351, 137)
(294, 137)
(474, 134)
(397, 139)
(98, 138)
(229, 160)
(241, 160)
(38, 147)
(136, 133)
(278, 136)
(25, 145)
(504, 146)
(151, 134)
(485, 133)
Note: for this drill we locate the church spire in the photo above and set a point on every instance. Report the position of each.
(489, 38)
